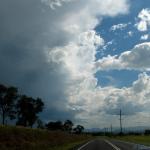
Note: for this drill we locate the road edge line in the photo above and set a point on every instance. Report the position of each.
(135, 144)
(112, 145)
(85, 145)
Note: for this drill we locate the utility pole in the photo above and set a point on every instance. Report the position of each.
(111, 129)
(120, 121)
(105, 131)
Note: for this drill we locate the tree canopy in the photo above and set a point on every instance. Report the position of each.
(78, 129)
(58, 125)
(68, 124)
(8, 97)
(27, 110)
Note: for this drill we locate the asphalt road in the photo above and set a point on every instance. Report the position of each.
(96, 145)
(100, 144)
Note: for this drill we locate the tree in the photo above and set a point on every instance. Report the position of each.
(68, 125)
(40, 124)
(78, 129)
(54, 125)
(8, 97)
(27, 110)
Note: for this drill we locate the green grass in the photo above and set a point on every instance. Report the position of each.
(20, 138)
(140, 139)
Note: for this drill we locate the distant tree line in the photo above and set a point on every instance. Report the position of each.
(24, 110)
(66, 126)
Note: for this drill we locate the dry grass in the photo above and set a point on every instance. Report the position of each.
(20, 138)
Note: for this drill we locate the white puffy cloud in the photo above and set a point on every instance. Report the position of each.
(144, 20)
(55, 3)
(144, 37)
(136, 59)
(94, 6)
(78, 57)
(132, 99)
(108, 44)
(99, 103)
(120, 26)
(130, 33)
(108, 7)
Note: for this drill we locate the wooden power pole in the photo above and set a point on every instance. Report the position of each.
(120, 121)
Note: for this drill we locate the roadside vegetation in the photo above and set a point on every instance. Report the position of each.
(21, 138)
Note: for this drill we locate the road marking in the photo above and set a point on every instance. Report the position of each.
(85, 145)
(125, 142)
(112, 145)
(138, 146)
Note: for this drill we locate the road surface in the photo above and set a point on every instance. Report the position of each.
(100, 144)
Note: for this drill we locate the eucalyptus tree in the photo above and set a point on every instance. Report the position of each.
(8, 98)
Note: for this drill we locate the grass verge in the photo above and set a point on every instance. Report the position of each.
(140, 139)
(20, 138)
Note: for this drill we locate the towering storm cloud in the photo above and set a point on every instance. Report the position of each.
(48, 49)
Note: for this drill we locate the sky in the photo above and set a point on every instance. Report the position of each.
(85, 59)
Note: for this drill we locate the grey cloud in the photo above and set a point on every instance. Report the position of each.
(27, 28)
(128, 107)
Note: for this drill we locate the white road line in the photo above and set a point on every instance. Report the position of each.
(125, 142)
(139, 146)
(112, 145)
(85, 145)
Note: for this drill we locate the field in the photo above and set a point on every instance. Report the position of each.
(139, 139)
(20, 138)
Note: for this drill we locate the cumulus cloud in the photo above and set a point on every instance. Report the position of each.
(144, 37)
(50, 51)
(132, 99)
(120, 26)
(136, 59)
(55, 3)
(144, 20)
(78, 57)
(99, 103)
(108, 44)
